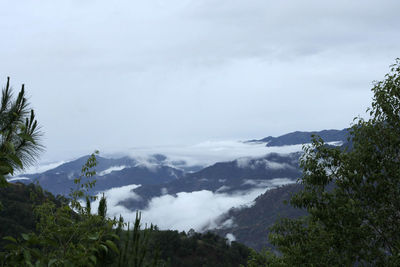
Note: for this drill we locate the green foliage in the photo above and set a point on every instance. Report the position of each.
(18, 216)
(19, 133)
(171, 248)
(67, 235)
(134, 245)
(81, 190)
(352, 195)
(264, 258)
(102, 210)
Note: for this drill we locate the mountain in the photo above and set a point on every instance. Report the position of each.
(249, 225)
(158, 175)
(110, 173)
(226, 177)
(299, 138)
(224, 182)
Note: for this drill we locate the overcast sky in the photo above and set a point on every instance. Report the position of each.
(113, 75)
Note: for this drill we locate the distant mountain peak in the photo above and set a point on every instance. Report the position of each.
(299, 138)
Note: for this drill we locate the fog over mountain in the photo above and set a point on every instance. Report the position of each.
(188, 187)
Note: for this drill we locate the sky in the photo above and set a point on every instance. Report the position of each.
(119, 75)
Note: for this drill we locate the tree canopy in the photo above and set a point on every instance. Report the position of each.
(352, 193)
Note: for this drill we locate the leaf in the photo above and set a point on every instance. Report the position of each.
(25, 236)
(93, 258)
(94, 236)
(3, 181)
(10, 238)
(114, 236)
(11, 247)
(27, 137)
(51, 262)
(10, 147)
(16, 160)
(111, 245)
(27, 255)
(6, 169)
(104, 248)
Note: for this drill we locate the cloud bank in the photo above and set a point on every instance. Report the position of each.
(199, 210)
(210, 152)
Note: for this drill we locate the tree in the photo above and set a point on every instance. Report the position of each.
(352, 194)
(19, 133)
(68, 235)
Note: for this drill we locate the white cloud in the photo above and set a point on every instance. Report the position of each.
(111, 169)
(276, 165)
(114, 196)
(243, 162)
(17, 179)
(222, 189)
(195, 210)
(199, 210)
(335, 143)
(210, 152)
(269, 183)
(164, 191)
(226, 224)
(253, 162)
(230, 238)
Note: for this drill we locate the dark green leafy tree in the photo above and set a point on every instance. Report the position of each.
(352, 195)
(68, 235)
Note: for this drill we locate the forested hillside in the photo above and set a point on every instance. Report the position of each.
(251, 225)
(17, 215)
(159, 248)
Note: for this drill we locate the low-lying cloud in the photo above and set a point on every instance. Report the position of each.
(199, 210)
(14, 179)
(269, 183)
(210, 152)
(114, 196)
(254, 163)
(230, 238)
(111, 169)
(199, 155)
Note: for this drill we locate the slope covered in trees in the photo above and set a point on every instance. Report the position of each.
(251, 225)
(164, 248)
(352, 195)
(17, 215)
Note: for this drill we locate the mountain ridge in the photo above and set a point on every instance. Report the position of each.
(303, 137)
